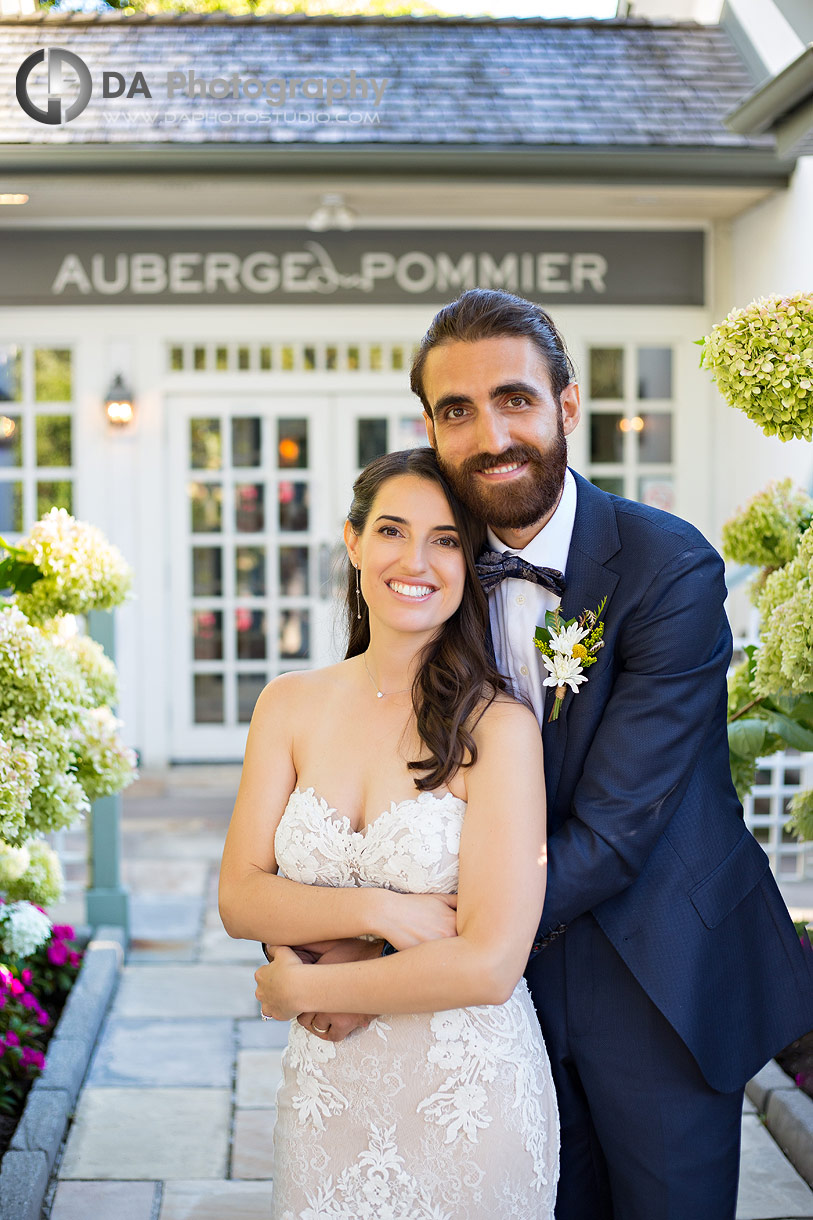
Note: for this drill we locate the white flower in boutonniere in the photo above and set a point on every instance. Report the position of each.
(567, 649)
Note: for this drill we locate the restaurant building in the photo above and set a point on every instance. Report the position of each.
(242, 226)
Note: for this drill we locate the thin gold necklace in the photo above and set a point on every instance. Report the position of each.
(380, 693)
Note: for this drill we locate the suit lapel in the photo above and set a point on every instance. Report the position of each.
(594, 540)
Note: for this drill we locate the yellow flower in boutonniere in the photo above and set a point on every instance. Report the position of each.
(567, 649)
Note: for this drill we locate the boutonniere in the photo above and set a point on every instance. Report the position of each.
(568, 647)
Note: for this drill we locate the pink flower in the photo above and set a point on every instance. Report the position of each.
(17, 987)
(29, 1000)
(42, 1017)
(57, 954)
(74, 957)
(26, 976)
(2, 1001)
(12, 1039)
(32, 1058)
(2, 1044)
(62, 931)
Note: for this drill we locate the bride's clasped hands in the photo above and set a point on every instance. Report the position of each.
(286, 990)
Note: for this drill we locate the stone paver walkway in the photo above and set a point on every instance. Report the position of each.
(175, 1118)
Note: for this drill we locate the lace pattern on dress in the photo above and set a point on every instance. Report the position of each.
(419, 1117)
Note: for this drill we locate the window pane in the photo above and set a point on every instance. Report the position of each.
(11, 440)
(52, 374)
(265, 358)
(176, 359)
(221, 359)
(606, 438)
(251, 633)
(245, 442)
(655, 438)
(292, 437)
(243, 358)
(375, 357)
(54, 494)
(54, 440)
(207, 571)
(249, 571)
(293, 506)
(206, 504)
(372, 440)
(762, 834)
(654, 372)
(208, 698)
(11, 508)
(293, 571)
(397, 358)
(199, 357)
(613, 485)
(207, 635)
(205, 445)
(249, 687)
(606, 372)
(11, 373)
(249, 508)
(657, 492)
(294, 633)
(309, 358)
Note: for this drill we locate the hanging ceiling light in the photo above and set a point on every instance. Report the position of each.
(332, 213)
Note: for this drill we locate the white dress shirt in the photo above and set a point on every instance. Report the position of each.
(518, 607)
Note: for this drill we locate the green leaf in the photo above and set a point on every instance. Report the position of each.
(793, 732)
(542, 634)
(18, 574)
(798, 707)
(747, 737)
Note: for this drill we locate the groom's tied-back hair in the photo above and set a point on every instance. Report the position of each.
(457, 677)
(483, 313)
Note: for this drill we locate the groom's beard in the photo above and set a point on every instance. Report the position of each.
(519, 503)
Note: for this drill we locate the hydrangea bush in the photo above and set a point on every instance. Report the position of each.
(80, 569)
(761, 358)
(60, 744)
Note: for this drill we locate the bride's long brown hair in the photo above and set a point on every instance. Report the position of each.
(457, 677)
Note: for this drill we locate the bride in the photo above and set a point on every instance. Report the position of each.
(399, 796)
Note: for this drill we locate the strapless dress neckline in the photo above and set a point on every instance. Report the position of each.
(342, 820)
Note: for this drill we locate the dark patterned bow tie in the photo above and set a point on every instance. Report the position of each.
(494, 567)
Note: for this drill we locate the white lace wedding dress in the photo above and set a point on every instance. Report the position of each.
(444, 1116)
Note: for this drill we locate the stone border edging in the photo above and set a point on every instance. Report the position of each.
(788, 1114)
(26, 1166)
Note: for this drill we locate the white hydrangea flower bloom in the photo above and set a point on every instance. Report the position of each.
(23, 928)
(14, 861)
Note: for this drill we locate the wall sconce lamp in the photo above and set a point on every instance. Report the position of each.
(118, 403)
(332, 213)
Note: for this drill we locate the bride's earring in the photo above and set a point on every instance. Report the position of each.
(358, 593)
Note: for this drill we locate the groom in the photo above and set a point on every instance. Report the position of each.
(666, 969)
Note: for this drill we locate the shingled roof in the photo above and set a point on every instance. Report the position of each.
(482, 83)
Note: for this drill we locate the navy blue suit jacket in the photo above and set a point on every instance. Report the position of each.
(645, 829)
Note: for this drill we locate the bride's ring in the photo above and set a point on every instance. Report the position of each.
(317, 1030)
